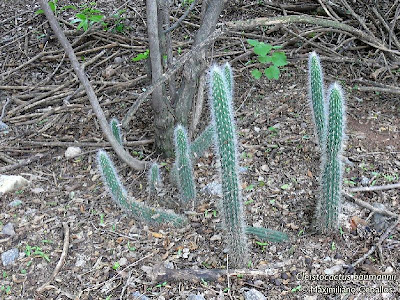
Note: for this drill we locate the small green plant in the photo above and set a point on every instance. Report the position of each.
(276, 60)
(141, 56)
(36, 250)
(88, 16)
(116, 266)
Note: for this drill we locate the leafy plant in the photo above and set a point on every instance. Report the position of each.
(141, 56)
(88, 16)
(276, 60)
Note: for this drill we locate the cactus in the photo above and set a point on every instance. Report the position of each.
(331, 165)
(316, 91)
(183, 165)
(138, 210)
(228, 75)
(114, 124)
(225, 137)
(202, 143)
(154, 178)
(267, 234)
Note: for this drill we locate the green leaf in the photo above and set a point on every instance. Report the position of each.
(279, 59)
(253, 42)
(272, 72)
(285, 186)
(39, 11)
(52, 6)
(96, 18)
(262, 49)
(141, 56)
(68, 7)
(81, 16)
(276, 47)
(264, 59)
(256, 73)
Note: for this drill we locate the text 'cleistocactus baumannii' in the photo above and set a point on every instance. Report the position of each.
(138, 210)
(225, 135)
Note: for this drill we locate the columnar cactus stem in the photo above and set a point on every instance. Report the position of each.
(316, 91)
(138, 210)
(331, 165)
(183, 165)
(267, 234)
(202, 142)
(154, 178)
(231, 208)
(116, 131)
(228, 75)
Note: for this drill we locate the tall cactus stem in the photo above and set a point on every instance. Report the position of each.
(225, 138)
(183, 165)
(331, 165)
(316, 92)
(115, 129)
(138, 210)
(228, 75)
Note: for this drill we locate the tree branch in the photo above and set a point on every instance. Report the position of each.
(124, 155)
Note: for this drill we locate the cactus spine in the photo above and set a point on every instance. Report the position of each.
(116, 131)
(316, 87)
(184, 165)
(231, 208)
(138, 210)
(154, 178)
(331, 165)
(202, 143)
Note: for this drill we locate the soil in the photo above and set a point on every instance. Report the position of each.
(112, 256)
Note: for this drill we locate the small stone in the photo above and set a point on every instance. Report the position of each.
(118, 60)
(380, 221)
(315, 297)
(12, 183)
(333, 270)
(123, 261)
(15, 203)
(72, 152)
(138, 296)
(307, 261)
(243, 170)
(9, 256)
(215, 237)
(258, 282)
(389, 270)
(337, 256)
(387, 296)
(364, 181)
(327, 259)
(350, 270)
(253, 294)
(284, 276)
(8, 229)
(277, 282)
(272, 249)
(213, 188)
(195, 297)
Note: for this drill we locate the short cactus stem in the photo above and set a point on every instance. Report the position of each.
(116, 131)
(270, 235)
(154, 178)
(225, 136)
(202, 142)
(138, 210)
(316, 91)
(331, 167)
(228, 76)
(183, 165)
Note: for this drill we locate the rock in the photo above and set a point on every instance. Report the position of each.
(195, 297)
(8, 229)
(138, 296)
(3, 127)
(118, 60)
(213, 188)
(389, 270)
(364, 181)
(253, 294)
(11, 183)
(123, 261)
(9, 256)
(315, 297)
(72, 152)
(380, 221)
(333, 270)
(15, 203)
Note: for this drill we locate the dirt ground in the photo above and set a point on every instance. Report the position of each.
(111, 256)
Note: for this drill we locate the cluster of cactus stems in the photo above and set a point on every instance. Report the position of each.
(138, 210)
(183, 165)
(225, 137)
(329, 119)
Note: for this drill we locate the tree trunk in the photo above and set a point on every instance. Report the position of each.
(163, 114)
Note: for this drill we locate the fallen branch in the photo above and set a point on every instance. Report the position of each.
(375, 188)
(378, 244)
(22, 163)
(61, 261)
(265, 21)
(370, 207)
(82, 144)
(120, 151)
